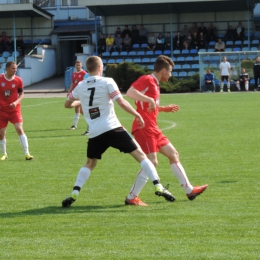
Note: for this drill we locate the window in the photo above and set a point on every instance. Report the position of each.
(69, 2)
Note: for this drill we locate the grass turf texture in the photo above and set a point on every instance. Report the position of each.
(217, 136)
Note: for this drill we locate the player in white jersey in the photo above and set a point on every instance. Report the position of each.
(224, 67)
(96, 96)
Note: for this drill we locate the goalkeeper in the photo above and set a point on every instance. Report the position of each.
(146, 93)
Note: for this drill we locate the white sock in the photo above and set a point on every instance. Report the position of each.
(180, 173)
(222, 85)
(3, 146)
(149, 169)
(228, 84)
(82, 177)
(246, 86)
(238, 87)
(24, 143)
(76, 119)
(140, 182)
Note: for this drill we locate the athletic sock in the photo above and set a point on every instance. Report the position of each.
(246, 87)
(180, 173)
(82, 177)
(140, 182)
(76, 119)
(24, 143)
(238, 87)
(228, 85)
(150, 170)
(3, 146)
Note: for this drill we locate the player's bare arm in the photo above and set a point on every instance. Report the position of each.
(125, 105)
(14, 104)
(137, 95)
(170, 108)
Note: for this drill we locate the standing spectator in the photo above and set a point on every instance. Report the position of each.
(178, 41)
(118, 31)
(109, 43)
(195, 41)
(2, 45)
(185, 31)
(194, 29)
(105, 130)
(143, 34)
(240, 30)
(168, 41)
(203, 29)
(101, 45)
(20, 45)
(256, 70)
(212, 32)
(11, 96)
(209, 81)
(160, 42)
(4, 36)
(127, 43)
(243, 80)
(126, 31)
(224, 67)
(151, 41)
(230, 34)
(187, 41)
(118, 43)
(146, 91)
(202, 41)
(219, 46)
(135, 35)
(77, 76)
(10, 44)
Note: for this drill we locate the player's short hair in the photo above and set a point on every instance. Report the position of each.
(92, 63)
(9, 64)
(163, 62)
(77, 61)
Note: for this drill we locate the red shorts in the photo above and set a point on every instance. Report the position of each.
(150, 142)
(14, 117)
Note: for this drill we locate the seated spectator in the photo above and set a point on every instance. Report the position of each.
(10, 45)
(212, 32)
(219, 46)
(187, 41)
(240, 32)
(202, 29)
(2, 45)
(135, 35)
(160, 42)
(4, 37)
(101, 45)
(118, 43)
(109, 43)
(151, 42)
(143, 34)
(127, 43)
(20, 45)
(126, 31)
(209, 83)
(185, 31)
(202, 41)
(230, 34)
(168, 41)
(194, 29)
(118, 31)
(195, 41)
(243, 80)
(178, 41)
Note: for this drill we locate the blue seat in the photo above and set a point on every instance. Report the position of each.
(180, 59)
(228, 49)
(46, 41)
(6, 54)
(176, 52)
(37, 41)
(145, 60)
(186, 66)
(153, 59)
(144, 45)
(246, 42)
(215, 59)
(114, 53)
(212, 43)
(202, 50)
(233, 58)
(2, 71)
(2, 59)
(195, 66)
(137, 60)
(119, 60)
(111, 61)
(136, 46)
(177, 67)
(131, 53)
(221, 36)
(27, 41)
(237, 49)
(175, 74)
(185, 52)
(167, 52)
(158, 52)
(3, 66)
(140, 53)
(104, 68)
(243, 57)
(128, 60)
(123, 53)
(94, 54)
(106, 54)
(238, 43)
(196, 58)
(249, 34)
(193, 52)
(150, 67)
(190, 73)
(173, 58)
(255, 42)
(245, 49)
(229, 43)
(256, 35)
(11, 58)
(183, 74)
(213, 65)
(211, 50)
(206, 58)
(253, 49)
(252, 82)
(104, 61)
(149, 53)
(251, 56)
(189, 59)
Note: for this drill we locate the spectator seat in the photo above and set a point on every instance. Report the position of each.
(1, 71)
(167, 52)
(195, 66)
(106, 54)
(119, 60)
(186, 66)
(183, 74)
(176, 52)
(149, 53)
(190, 73)
(136, 46)
(137, 60)
(123, 53)
(11, 58)
(153, 60)
(193, 52)
(245, 49)
(237, 49)
(158, 52)
(189, 59)
(128, 60)
(115, 53)
(177, 67)
(175, 74)
(185, 52)
(111, 61)
(202, 50)
(140, 53)
(150, 67)
(145, 60)
(144, 45)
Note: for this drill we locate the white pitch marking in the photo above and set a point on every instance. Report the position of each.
(40, 104)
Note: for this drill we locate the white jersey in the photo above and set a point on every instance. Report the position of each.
(224, 66)
(96, 95)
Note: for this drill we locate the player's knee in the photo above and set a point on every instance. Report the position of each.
(154, 162)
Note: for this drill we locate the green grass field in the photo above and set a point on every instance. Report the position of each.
(217, 136)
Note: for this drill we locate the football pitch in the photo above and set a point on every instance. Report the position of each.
(217, 136)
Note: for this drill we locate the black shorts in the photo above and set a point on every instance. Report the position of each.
(117, 138)
(224, 78)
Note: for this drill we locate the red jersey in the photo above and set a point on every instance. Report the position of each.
(149, 86)
(9, 92)
(77, 77)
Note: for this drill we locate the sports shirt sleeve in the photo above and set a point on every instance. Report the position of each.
(20, 87)
(113, 90)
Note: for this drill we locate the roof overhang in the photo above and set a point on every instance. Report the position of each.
(75, 29)
(22, 11)
(145, 7)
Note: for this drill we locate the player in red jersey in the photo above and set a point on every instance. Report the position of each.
(146, 93)
(11, 94)
(77, 76)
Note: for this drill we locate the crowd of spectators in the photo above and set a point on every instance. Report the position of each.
(7, 44)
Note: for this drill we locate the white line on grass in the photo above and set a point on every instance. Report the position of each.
(40, 104)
